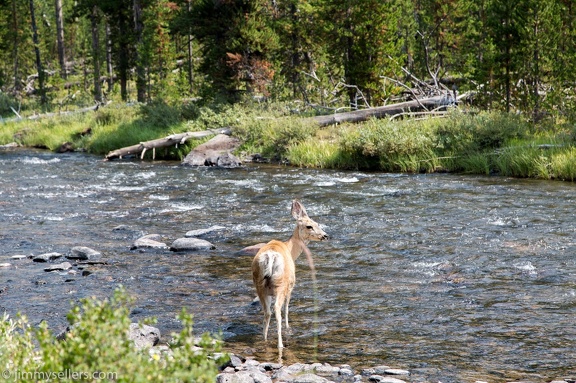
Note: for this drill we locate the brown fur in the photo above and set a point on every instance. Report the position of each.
(273, 268)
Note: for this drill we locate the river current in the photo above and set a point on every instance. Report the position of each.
(456, 278)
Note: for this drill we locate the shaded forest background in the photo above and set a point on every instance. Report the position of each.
(517, 56)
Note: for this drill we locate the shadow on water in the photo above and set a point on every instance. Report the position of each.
(456, 278)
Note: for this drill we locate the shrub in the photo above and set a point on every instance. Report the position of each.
(463, 134)
(159, 114)
(98, 343)
(392, 146)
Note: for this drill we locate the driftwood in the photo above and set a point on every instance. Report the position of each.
(387, 110)
(172, 140)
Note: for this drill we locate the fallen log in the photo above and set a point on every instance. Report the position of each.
(171, 140)
(386, 110)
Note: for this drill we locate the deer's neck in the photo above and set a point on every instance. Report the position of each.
(295, 244)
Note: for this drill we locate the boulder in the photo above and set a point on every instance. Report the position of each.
(59, 267)
(82, 253)
(191, 244)
(216, 152)
(150, 241)
(143, 336)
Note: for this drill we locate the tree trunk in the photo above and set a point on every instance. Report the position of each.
(140, 67)
(41, 89)
(109, 57)
(190, 63)
(123, 58)
(383, 111)
(15, 29)
(60, 37)
(94, 18)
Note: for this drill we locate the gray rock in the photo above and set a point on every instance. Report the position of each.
(83, 253)
(396, 371)
(150, 241)
(346, 372)
(282, 375)
(19, 256)
(201, 232)
(59, 267)
(235, 361)
(309, 378)
(238, 377)
(228, 160)
(257, 375)
(269, 366)
(216, 152)
(143, 336)
(380, 370)
(191, 244)
(384, 379)
(327, 370)
(389, 379)
(46, 257)
(296, 368)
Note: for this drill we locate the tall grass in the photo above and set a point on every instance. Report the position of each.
(563, 165)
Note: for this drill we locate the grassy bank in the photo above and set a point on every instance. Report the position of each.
(474, 143)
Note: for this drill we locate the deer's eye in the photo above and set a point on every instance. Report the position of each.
(309, 227)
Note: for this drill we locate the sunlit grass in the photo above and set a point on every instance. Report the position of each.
(563, 165)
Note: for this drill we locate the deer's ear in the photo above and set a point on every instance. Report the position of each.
(298, 210)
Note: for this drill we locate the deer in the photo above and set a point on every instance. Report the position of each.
(273, 267)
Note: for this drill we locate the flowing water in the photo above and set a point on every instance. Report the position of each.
(456, 278)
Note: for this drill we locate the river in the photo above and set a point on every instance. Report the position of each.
(456, 278)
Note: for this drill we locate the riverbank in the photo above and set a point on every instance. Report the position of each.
(468, 142)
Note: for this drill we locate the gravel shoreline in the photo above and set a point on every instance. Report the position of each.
(241, 370)
(247, 370)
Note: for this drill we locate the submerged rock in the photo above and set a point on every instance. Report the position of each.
(201, 232)
(191, 244)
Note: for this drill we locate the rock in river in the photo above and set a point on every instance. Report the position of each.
(83, 253)
(150, 241)
(201, 232)
(216, 152)
(191, 244)
(59, 267)
(46, 257)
